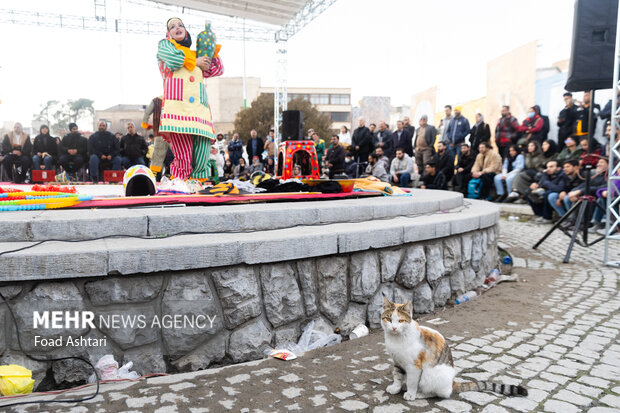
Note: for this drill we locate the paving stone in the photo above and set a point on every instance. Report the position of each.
(611, 400)
(493, 409)
(585, 390)
(556, 406)
(543, 385)
(573, 398)
(477, 397)
(454, 406)
(594, 381)
(519, 404)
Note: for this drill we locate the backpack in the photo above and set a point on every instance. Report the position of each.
(473, 188)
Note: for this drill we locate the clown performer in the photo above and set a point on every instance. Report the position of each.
(185, 116)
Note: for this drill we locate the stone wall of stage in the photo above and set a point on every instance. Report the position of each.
(254, 305)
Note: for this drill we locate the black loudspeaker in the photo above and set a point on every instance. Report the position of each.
(594, 43)
(292, 125)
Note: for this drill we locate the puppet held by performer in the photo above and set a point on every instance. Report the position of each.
(185, 116)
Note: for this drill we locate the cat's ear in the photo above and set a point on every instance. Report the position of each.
(386, 303)
(408, 307)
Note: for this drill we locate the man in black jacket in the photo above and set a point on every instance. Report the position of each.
(552, 180)
(133, 148)
(16, 151)
(255, 146)
(433, 178)
(103, 146)
(566, 120)
(361, 142)
(445, 161)
(73, 151)
(335, 157)
(463, 169)
(402, 139)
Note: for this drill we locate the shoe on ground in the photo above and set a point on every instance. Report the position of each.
(545, 221)
(512, 197)
(537, 220)
(500, 198)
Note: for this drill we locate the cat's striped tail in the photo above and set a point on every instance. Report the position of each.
(505, 389)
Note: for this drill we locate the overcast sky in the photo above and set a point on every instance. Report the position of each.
(378, 48)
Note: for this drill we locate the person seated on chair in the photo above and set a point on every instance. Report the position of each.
(551, 181)
(560, 200)
(335, 157)
(45, 150)
(463, 168)
(513, 164)
(16, 151)
(242, 171)
(72, 148)
(133, 148)
(444, 160)
(401, 170)
(103, 147)
(598, 181)
(488, 164)
(349, 165)
(375, 168)
(257, 165)
(433, 177)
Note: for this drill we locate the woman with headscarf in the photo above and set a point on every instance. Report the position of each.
(44, 149)
(533, 165)
(185, 116)
(479, 133)
(549, 151)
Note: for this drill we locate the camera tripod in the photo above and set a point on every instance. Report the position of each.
(586, 203)
(583, 207)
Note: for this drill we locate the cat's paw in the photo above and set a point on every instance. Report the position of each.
(409, 396)
(394, 388)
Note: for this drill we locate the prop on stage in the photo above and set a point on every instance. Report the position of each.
(298, 159)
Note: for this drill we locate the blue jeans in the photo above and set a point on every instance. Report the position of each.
(552, 198)
(403, 179)
(598, 215)
(454, 149)
(499, 188)
(48, 161)
(94, 165)
(129, 162)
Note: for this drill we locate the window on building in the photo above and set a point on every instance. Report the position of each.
(319, 99)
(340, 99)
(340, 116)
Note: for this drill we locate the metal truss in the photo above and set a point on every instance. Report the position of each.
(612, 221)
(311, 11)
(227, 29)
(280, 94)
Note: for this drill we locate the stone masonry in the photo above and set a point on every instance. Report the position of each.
(255, 306)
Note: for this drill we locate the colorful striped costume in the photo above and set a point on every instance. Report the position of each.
(186, 121)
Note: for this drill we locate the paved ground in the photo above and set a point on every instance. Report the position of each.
(556, 332)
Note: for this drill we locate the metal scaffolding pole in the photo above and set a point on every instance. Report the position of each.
(612, 220)
(280, 95)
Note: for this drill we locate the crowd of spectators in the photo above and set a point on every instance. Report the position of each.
(521, 164)
(73, 153)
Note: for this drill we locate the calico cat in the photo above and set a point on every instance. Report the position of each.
(423, 361)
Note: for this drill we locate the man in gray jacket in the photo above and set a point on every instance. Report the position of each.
(401, 170)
